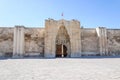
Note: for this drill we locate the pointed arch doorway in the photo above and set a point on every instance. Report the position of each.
(62, 43)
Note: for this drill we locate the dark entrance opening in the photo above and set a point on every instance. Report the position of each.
(61, 50)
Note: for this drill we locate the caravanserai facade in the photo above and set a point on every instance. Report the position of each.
(59, 38)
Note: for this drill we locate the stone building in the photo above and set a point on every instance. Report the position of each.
(59, 38)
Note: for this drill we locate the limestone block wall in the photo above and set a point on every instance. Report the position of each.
(113, 41)
(6, 41)
(89, 41)
(34, 41)
(20, 40)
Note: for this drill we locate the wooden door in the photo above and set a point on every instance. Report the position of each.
(59, 50)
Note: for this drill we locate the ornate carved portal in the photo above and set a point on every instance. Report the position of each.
(62, 43)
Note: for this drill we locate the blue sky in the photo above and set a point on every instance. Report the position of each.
(32, 13)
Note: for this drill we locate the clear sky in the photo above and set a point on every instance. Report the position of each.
(32, 13)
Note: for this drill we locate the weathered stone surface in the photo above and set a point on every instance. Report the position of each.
(6, 41)
(89, 41)
(59, 36)
(34, 41)
(72, 29)
(113, 41)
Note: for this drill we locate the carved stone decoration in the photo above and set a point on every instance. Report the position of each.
(62, 32)
(63, 40)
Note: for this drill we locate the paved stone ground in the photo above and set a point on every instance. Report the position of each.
(60, 69)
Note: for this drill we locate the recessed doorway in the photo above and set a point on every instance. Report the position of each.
(61, 50)
(62, 43)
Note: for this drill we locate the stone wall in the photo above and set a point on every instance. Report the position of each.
(6, 41)
(90, 42)
(113, 41)
(23, 41)
(34, 41)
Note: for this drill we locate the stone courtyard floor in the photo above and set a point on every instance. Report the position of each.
(60, 69)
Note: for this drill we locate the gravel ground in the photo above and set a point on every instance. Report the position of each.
(60, 69)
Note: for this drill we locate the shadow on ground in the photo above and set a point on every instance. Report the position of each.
(82, 57)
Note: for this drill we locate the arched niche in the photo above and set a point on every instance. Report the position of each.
(62, 43)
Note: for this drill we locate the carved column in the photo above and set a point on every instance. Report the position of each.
(18, 49)
(102, 35)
